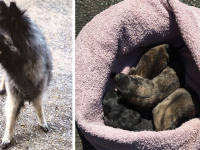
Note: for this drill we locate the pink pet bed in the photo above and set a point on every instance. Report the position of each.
(114, 41)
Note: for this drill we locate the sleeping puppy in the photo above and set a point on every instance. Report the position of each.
(25, 57)
(145, 93)
(118, 114)
(152, 62)
(175, 109)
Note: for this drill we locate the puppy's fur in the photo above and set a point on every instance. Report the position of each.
(119, 114)
(152, 62)
(25, 57)
(146, 93)
(174, 110)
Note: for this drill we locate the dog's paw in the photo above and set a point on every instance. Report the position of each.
(2, 92)
(45, 128)
(4, 144)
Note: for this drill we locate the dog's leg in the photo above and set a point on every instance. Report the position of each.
(12, 109)
(37, 103)
(2, 87)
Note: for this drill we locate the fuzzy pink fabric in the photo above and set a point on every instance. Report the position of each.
(113, 42)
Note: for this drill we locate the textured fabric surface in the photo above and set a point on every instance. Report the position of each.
(114, 41)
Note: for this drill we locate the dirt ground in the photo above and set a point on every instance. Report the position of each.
(54, 17)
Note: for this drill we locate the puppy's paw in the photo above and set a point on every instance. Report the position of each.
(45, 127)
(4, 144)
(2, 92)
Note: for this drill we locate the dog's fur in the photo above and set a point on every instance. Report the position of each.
(152, 62)
(25, 57)
(146, 93)
(175, 109)
(119, 114)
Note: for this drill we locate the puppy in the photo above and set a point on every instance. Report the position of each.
(118, 114)
(174, 110)
(152, 62)
(146, 93)
(25, 57)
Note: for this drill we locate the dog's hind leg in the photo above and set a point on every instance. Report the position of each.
(12, 109)
(2, 86)
(37, 103)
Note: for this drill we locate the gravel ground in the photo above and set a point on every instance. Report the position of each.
(55, 20)
(85, 11)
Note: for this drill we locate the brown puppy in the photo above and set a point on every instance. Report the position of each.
(145, 93)
(174, 109)
(152, 62)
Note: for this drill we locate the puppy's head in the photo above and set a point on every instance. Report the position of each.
(126, 84)
(110, 104)
(133, 88)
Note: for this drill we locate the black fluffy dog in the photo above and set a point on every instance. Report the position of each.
(25, 57)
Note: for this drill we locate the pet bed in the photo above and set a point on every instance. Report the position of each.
(114, 41)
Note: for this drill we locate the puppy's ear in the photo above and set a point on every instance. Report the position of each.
(3, 8)
(15, 11)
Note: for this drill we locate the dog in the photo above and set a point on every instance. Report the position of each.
(152, 63)
(119, 114)
(145, 93)
(27, 61)
(177, 108)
